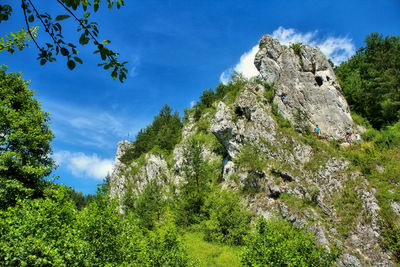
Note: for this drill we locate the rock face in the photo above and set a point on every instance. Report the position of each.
(288, 174)
(310, 85)
(117, 181)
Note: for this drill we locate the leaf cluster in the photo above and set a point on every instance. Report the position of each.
(277, 243)
(164, 132)
(371, 80)
(58, 46)
(25, 139)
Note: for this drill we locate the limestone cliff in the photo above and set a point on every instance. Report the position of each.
(309, 82)
(284, 172)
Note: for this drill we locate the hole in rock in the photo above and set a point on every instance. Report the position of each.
(243, 112)
(327, 78)
(239, 111)
(319, 81)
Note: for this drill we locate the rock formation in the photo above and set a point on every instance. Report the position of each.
(306, 77)
(297, 178)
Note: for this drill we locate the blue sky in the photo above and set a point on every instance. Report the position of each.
(175, 49)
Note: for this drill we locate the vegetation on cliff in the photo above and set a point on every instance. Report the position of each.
(167, 221)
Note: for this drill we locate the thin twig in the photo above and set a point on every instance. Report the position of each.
(44, 24)
(83, 26)
(80, 22)
(27, 25)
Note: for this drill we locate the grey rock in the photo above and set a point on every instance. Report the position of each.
(395, 206)
(350, 261)
(117, 180)
(309, 83)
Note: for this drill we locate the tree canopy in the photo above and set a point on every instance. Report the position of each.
(25, 139)
(57, 45)
(371, 80)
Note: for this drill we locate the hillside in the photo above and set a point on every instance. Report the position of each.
(254, 139)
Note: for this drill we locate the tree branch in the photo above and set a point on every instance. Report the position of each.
(27, 25)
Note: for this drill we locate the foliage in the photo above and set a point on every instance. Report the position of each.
(53, 28)
(223, 92)
(24, 141)
(100, 225)
(348, 206)
(301, 122)
(252, 158)
(277, 243)
(196, 187)
(282, 122)
(42, 232)
(148, 206)
(17, 40)
(81, 201)
(269, 92)
(229, 221)
(371, 78)
(165, 248)
(209, 253)
(378, 157)
(297, 48)
(164, 132)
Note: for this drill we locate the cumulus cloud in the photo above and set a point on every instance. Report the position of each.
(337, 49)
(84, 166)
(245, 66)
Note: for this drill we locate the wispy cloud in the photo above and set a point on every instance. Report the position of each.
(82, 165)
(90, 126)
(134, 63)
(337, 49)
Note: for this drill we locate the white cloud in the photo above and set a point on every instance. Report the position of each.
(337, 49)
(246, 63)
(192, 103)
(134, 62)
(245, 66)
(225, 76)
(84, 166)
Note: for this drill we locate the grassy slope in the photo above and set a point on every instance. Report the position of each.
(211, 254)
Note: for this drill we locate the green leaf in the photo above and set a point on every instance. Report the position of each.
(62, 17)
(31, 18)
(71, 64)
(114, 74)
(106, 41)
(77, 59)
(43, 61)
(64, 51)
(83, 39)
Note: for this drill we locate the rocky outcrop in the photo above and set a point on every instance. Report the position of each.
(117, 181)
(305, 76)
(287, 173)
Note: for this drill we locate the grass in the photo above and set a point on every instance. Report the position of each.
(211, 254)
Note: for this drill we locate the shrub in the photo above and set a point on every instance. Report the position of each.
(229, 221)
(43, 232)
(277, 243)
(165, 132)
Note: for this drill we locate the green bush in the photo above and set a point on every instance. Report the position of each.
(164, 132)
(164, 248)
(43, 232)
(277, 243)
(229, 221)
